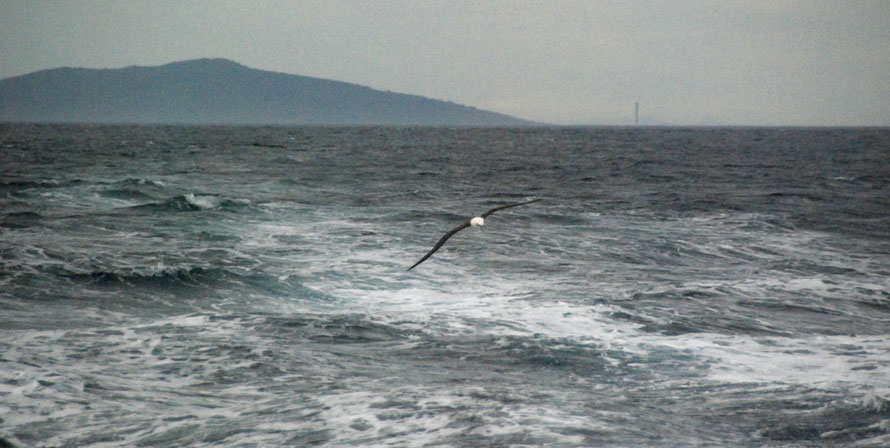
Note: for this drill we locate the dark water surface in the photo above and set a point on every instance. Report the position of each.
(246, 286)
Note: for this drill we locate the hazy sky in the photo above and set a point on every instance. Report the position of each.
(768, 62)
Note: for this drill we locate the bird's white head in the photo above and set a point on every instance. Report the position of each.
(477, 222)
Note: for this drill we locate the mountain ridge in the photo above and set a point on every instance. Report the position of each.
(220, 91)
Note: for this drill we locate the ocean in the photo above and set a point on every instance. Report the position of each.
(246, 286)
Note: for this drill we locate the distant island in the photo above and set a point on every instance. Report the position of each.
(220, 91)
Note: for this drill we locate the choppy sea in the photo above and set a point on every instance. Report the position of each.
(247, 287)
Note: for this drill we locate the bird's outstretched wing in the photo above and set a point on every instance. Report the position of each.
(442, 241)
(485, 215)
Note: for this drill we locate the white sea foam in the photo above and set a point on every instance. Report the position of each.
(202, 201)
(511, 308)
(633, 313)
(422, 416)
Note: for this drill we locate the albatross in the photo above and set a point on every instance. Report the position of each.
(478, 221)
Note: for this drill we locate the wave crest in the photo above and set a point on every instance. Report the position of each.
(190, 202)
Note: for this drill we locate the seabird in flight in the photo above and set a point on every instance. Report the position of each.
(478, 221)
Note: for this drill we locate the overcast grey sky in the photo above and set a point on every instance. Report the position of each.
(768, 62)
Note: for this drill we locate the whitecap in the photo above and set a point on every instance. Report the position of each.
(202, 201)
